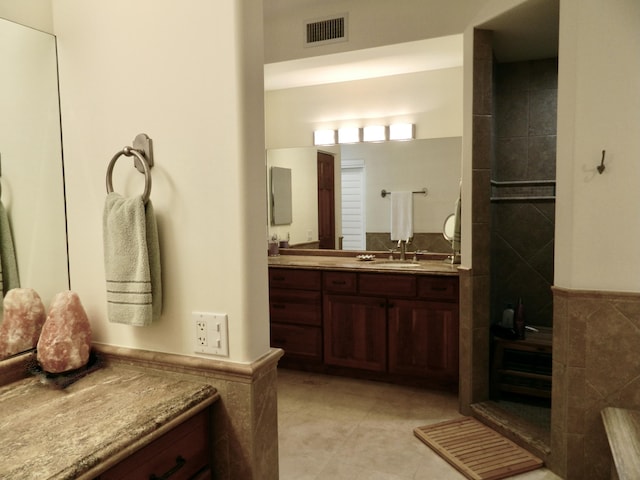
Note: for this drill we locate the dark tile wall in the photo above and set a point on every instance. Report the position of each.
(425, 242)
(522, 229)
(474, 282)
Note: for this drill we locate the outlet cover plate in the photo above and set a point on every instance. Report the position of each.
(210, 333)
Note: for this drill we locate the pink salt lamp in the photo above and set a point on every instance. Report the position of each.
(24, 316)
(65, 342)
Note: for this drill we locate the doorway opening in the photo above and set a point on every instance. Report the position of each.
(353, 205)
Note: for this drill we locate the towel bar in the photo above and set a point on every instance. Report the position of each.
(141, 163)
(384, 192)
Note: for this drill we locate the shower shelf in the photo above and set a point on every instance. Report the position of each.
(522, 190)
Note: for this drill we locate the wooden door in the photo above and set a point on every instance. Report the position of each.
(326, 202)
(355, 332)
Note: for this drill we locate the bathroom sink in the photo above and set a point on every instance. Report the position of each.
(397, 264)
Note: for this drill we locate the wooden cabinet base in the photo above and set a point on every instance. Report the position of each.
(181, 454)
(397, 328)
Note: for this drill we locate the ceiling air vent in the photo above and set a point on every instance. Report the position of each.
(326, 30)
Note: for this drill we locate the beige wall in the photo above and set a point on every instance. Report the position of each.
(33, 13)
(160, 68)
(304, 197)
(431, 100)
(433, 164)
(597, 228)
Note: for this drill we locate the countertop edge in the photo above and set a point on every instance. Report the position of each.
(348, 264)
(142, 442)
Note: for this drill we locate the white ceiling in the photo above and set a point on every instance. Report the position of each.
(526, 32)
(410, 57)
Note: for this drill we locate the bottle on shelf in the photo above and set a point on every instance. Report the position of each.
(507, 316)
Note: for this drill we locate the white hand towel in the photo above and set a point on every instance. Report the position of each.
(132, 261)
(401, 216)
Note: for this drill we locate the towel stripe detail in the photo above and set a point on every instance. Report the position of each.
(129, 293)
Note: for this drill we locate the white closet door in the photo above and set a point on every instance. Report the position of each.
(353, 213)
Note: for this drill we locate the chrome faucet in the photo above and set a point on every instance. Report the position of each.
(402, 245)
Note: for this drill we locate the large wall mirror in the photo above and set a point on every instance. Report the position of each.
(363, 171)
(31, 166)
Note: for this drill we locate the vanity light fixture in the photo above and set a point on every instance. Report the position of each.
(324, 137)
(374, 133)
(348, 135)
(401, 131)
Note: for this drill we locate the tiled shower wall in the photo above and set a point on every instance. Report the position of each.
(523, 214)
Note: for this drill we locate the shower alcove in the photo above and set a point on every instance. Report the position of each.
(513, 223)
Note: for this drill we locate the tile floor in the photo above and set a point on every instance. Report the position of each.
(343, 429)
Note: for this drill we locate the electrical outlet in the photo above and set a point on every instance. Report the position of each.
(211, 333)
(202, 339)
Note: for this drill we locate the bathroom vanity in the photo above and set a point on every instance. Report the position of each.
(387, 320)
(116, 422)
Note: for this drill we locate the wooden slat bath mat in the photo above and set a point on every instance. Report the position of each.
(477, 451)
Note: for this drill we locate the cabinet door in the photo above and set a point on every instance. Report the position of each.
(355, 333)
(423, 339)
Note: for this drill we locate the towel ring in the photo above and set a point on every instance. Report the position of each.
(128, 151)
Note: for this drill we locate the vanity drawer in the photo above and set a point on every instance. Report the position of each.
(339, 282)
(295, 306)
(299, 341)
(387, 285)
(438, 288)
(298, 279)
(183, 451)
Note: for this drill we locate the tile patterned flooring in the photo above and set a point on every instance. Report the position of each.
(344, 429)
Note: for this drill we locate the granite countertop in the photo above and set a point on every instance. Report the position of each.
(49, 433)
(623, 432)
(379, 264)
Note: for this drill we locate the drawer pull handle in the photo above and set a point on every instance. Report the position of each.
(278, 306)
(338, 282)
(180, 462)
(439, 289)
(278, 278)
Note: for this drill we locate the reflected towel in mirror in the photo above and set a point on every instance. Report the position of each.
(132, 261)
(8, 266)
(455, 243)
(401, 215)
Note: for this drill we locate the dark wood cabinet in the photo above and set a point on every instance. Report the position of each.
(395, 327)
(295, 309)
